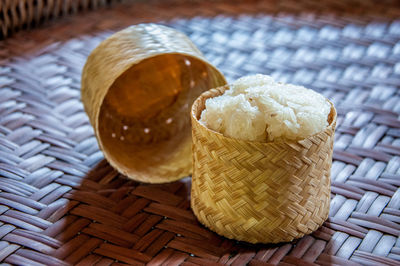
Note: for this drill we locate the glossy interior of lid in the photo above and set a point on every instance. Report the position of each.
(144, 120)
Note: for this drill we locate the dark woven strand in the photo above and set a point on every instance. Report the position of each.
(61, 203)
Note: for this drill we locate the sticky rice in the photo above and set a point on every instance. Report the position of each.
(256, 108)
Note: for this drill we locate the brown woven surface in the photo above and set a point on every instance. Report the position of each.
(61, 203)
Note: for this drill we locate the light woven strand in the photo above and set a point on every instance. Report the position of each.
(260, 192)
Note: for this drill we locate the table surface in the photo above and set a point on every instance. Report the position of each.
(61, 202)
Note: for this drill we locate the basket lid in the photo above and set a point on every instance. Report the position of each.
(137, 89)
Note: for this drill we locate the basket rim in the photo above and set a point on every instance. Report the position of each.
(214, 92)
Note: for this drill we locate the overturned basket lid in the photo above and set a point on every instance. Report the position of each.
(137, 89)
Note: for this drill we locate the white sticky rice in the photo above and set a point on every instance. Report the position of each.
(257, 108)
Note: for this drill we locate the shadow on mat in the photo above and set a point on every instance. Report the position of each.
(111, 218)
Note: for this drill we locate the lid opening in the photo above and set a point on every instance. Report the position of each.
(144, 121)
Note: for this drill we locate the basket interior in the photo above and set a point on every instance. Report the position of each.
(144, 120)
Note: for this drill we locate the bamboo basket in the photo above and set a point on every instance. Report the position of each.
(260, 192)
(19, 14)
(137, 89)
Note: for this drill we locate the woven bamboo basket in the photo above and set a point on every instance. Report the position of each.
(137, 89)
(18, 14)
(260, 192)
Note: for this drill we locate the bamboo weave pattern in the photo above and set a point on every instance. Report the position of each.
(61, 203)
(18, 14)
(260, 192)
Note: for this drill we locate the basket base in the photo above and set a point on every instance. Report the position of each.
(202, 218)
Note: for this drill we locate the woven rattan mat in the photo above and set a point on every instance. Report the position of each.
(61, 203)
